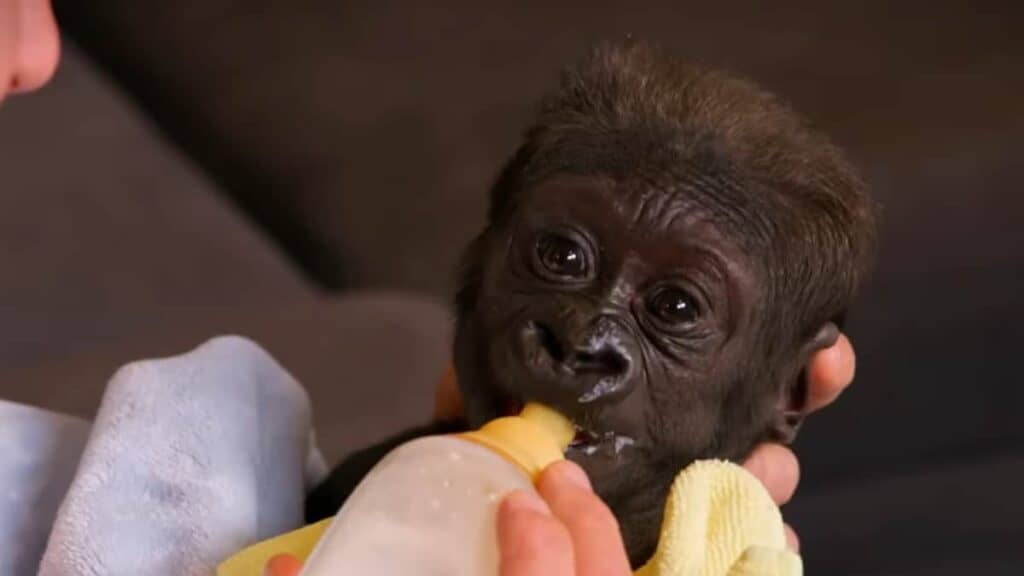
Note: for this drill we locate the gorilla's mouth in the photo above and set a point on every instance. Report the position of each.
(584, 438)
(605, 444)
(587, 440)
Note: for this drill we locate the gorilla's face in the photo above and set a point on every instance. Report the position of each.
(628, 310)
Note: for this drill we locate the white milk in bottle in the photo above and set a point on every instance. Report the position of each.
(428, 508)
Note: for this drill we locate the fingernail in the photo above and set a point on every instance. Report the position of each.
(571, 472)
(521, 500)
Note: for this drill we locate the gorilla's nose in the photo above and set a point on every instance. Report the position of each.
(602, 358)
(594, 361)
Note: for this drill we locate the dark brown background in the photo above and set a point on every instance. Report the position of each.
(200, 167)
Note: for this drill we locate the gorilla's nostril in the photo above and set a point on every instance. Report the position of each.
(607, 360)
(549, 342)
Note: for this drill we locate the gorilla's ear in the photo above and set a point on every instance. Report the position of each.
(792, 402)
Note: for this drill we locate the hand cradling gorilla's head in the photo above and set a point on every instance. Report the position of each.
(664, 253)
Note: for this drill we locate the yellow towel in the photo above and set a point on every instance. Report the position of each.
(719, 521)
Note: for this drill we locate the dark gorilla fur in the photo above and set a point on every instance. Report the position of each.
(663, 254)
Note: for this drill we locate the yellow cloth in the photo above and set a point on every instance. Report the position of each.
(719, 521)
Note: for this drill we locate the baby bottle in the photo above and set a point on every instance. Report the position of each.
(428, 508)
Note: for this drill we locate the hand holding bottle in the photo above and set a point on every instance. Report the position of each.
(567, 531)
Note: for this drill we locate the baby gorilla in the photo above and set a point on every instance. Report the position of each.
(664, 253)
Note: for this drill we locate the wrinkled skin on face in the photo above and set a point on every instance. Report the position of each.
(626, 308)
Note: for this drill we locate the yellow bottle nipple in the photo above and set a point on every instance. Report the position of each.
(532, 440)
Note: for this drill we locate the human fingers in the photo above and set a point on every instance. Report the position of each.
(830, 371)
(38, 46)
(532, 542)
(597, 542)
(777, 468)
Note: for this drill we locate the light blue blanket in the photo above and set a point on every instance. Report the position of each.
(189, 459)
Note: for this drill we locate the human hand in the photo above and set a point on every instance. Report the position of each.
(830, 371)
(567, 531)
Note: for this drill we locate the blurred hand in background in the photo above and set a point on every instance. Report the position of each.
(29, 45)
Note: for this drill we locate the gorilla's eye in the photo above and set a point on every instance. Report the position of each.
(673, 306)
(561, 257)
